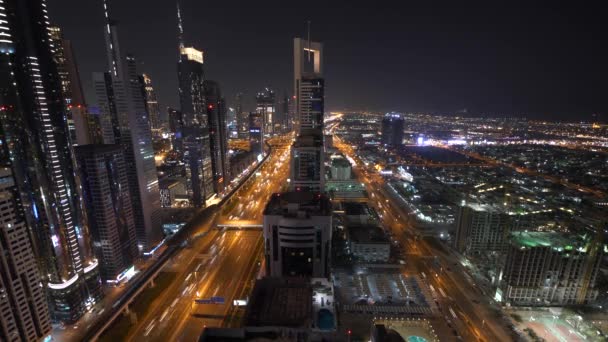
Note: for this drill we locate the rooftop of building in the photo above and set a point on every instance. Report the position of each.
(280, 302)
(294, 203)
(355, 208)
(367, 234)
(340, 162)
(558, 240)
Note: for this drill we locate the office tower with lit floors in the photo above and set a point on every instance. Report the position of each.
(218, 143)
(256, 133)
(151, 101)
(307, 157)
(107, 200)
(392, 129)
(24, 310)
(192, 128)
(119, 94)
(265, 105)
(33, 119)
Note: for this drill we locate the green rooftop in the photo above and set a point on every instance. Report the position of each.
(556, 240)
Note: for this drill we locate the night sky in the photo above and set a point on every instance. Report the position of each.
(546, 61)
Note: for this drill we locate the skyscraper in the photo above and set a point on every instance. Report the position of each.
(256, 132)
(308, 83)
(176, 126)
(35, 131)
(242, 117)
(24, 311)
(107, 200)
(119, 93)
(307, 157)
(195, 134)
(392, 129)
(216, 119)
(151, 101)
(265, 105)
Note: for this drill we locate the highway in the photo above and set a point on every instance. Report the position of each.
(465, 309)
(220, 263)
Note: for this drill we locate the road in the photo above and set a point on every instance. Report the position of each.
(222, 263)
(471, 315)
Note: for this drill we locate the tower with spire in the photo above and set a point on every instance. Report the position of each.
(119, 95)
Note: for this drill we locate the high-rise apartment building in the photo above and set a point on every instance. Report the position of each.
(119, 93)
(297, 235)
(176, 126)
(256, 133)
(152, 107)
(550, 268)
(392, 129)
(481, 228)
(218, 143)
(265, 105)
(24, 311)
(242, 117)
(33, 118)
(107, 199)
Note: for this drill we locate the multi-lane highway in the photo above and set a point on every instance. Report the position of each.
(219, 263)
(463, 306)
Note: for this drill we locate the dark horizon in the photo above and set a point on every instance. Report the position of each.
(540, 62)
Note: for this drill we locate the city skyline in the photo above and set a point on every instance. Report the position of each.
(290, 220)
(509, 61)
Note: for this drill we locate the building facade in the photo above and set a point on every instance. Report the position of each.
(297, 235)
(265, 106)
(218, 138)
(481, 228)
(119, 93)
(550, 268)
(392, 129)
(107, 199)
(34, 122)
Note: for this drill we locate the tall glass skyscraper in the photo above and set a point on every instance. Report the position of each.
(35, 129)
(216, 121)
(119, 94)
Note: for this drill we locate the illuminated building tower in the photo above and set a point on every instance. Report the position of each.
(33, 117)
(107, 200)
(297, 235)
(83, 127)
(119, 93)
(242, 117)
(282, 115)
(176, 126)
(151, 101)
(197, 161)
(24, 311)
(308, 83)
(550, 269)
(307, 157)
(218, 143)
(195, 132)
(392, 129)
(265, 105)
(256, 132)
